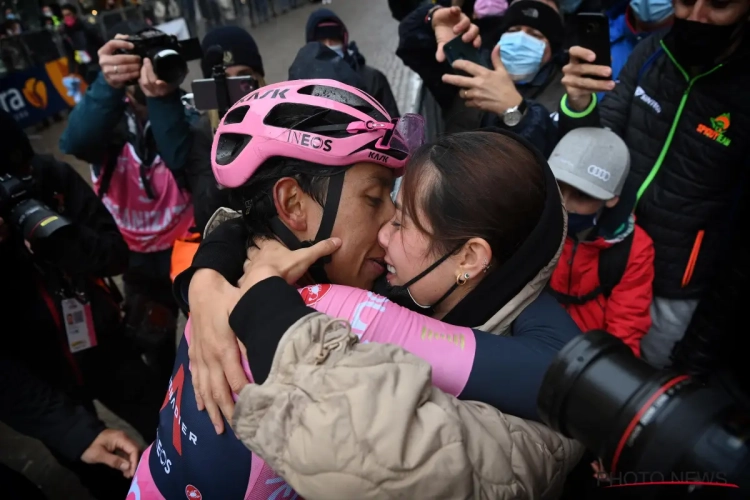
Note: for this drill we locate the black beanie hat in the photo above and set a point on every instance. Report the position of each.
(238, 46)
(537, 15)
(15, 148)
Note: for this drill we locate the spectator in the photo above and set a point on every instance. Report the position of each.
(326, 27)
(640, 19)
(36, 409)
(85, 40)
(491, 97)
(604, 275)
(47, 276)
(677, 105)
(241, 58)
(137, 139)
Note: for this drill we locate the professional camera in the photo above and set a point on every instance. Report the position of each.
(662, 431)
(168, 55)
(32, 218)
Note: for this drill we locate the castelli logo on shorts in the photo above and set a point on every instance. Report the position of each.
(313, 293)
(192, 492)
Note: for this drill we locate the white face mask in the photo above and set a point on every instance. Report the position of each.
(339, 49)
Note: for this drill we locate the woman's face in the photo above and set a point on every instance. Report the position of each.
(407, 254)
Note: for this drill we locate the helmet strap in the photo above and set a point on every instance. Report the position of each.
(330, 209)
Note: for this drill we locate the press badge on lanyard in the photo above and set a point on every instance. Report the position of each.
(79, 324)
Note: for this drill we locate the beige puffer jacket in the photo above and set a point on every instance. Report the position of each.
(342, 420)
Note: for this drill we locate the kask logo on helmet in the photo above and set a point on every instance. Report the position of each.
(308, 140)
(261, 94)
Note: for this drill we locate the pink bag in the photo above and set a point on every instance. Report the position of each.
(486, 8)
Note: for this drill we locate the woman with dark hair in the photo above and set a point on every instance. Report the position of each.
(477, 231)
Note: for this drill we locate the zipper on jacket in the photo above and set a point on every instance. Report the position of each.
(693, 259)
(673, 128)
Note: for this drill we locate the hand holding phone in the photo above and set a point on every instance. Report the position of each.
(592, 32)
(589, 70)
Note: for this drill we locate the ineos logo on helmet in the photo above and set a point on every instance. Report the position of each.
(308, 140)
(599, 173)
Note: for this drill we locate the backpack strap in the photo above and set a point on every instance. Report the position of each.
(612, 264)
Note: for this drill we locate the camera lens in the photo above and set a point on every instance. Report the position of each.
(36, 221)
(169, 66)
(640, 420)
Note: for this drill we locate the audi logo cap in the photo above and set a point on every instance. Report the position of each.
(593, 160)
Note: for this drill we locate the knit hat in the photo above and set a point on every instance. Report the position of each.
(15, 148)
(324, 23)
(537, 15)
(238, 46)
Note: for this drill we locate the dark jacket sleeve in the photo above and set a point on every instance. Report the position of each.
(536, 127)
(35, 409)
(268, 309)
(260, 319)
(380, 89)
(223, 250)
(207, 197)
(94, 123)
(417, 48)
(170, 124)
(94, 245)
(539, 332)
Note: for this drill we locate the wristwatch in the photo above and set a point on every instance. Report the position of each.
(430, 13)
(513, 116)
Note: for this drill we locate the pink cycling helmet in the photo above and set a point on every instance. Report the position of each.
(341, 126)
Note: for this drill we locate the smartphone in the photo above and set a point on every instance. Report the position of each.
(457, 49)
(204, 91)
(592, 32)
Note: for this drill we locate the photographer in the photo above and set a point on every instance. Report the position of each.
(58, 243)
(137, 138)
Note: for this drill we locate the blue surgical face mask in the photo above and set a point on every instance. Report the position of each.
(569, 6)
(652, 11)
(521, 54)
(339, 49)
(578, 223)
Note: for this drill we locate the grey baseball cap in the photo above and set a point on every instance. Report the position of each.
(593, 160)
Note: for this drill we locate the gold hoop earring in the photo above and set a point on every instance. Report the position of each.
(461, 279)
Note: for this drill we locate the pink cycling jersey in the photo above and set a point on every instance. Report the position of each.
(449, 349)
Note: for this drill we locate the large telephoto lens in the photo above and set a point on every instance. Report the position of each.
(655, 426)
(169, 66)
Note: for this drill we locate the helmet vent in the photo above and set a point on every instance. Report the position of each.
(230, 146)
(236, 115)
(344, 97)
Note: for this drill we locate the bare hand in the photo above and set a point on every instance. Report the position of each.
(215, 362)
(119, 69)
(450, 22)
(102, 451)
(488, 90)
(577, 81)
(150, 83)
(271, 258)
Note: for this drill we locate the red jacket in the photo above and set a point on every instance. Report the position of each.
(626, 314)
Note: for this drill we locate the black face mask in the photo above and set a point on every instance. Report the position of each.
(400, 295)
(700, 44)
